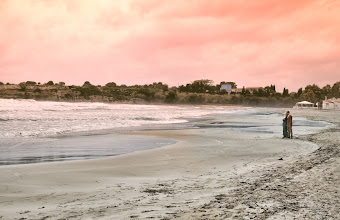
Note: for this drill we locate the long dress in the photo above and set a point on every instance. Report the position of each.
(284, 125)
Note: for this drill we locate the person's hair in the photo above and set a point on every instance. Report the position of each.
(287, 111)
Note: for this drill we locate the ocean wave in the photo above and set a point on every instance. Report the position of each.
(145, 119)
(5, 119)
(34, 118)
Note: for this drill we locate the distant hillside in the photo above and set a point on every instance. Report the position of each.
(198, 92)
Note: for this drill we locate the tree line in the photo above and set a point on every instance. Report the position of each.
(197, 92)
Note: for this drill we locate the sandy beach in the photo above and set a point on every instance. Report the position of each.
(221, 168)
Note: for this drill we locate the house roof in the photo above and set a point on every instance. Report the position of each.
(333, 100)
(305, 102)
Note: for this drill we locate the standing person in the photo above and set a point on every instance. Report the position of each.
(284, 125)
(289, 124)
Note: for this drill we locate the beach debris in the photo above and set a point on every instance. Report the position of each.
(146, 211)
(156, 191)
(281, 158)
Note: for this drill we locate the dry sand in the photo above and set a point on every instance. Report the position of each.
(208, 174)
(307, 187)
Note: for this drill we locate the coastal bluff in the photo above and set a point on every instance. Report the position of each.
(198, 92)
(49, 93)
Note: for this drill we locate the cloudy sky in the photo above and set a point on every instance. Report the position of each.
(252, 42)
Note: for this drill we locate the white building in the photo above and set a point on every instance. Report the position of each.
(304, 104)
(226, 87)
(331, 103)
(252, 89)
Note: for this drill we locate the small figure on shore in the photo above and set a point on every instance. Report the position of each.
(289, 124)
(284, 125)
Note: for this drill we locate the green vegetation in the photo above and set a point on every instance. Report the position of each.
(111, 84)
(22, 86)
(49, 83)
(88, 90)
(200, 86)
(31, 83)
(37, 90)
(171, 97)
(68, 96)
(198, 92)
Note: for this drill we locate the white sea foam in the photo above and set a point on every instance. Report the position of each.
(29, 118)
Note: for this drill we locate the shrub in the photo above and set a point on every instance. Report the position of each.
(68, 96)
(88, 91)
(171, 97)
(194, 99)
(148, 93)
(111, 84)
(87, 83)
(22, 86)
(31, 83)
(37, 90)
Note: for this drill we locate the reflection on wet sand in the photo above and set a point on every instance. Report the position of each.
(78, 148)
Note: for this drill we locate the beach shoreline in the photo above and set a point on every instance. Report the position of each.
(186, 180)
(306, 187)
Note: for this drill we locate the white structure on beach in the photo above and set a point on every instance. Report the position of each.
(304, 104)
(331, 103)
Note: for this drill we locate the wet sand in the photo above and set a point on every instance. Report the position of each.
(77, 148)
(303, 187)
(212, 172)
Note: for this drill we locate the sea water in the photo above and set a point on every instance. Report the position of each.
(30, 118)
(43, 131)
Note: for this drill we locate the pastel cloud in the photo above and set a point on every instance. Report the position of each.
(289, 43)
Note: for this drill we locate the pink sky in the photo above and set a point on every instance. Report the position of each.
(254, 43)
